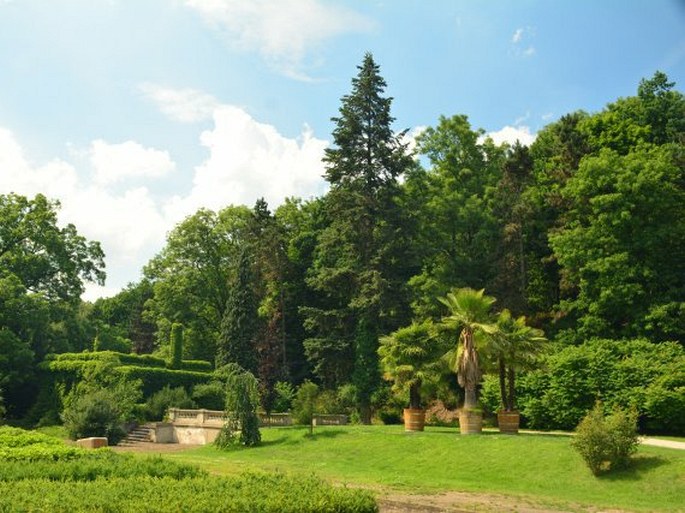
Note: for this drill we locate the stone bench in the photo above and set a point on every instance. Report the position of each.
(93, 442)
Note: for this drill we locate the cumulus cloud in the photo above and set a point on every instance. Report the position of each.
(115, 162)
(129, 225)
(517, 35)
(283, 32)
(248, 160)
(511, 134)
(184, 105)
(107, 193)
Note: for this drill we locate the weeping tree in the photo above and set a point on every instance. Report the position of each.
(469, 312)
(242, 400)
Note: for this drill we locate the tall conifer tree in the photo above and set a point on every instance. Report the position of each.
(361, 262)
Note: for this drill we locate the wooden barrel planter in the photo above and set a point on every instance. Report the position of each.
(414, 419)
(508, 422)
(470, 422)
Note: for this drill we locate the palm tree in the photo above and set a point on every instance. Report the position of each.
(469, 311)
(410, 357)
(516, 347)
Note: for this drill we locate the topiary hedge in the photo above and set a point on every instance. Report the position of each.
(155, 379)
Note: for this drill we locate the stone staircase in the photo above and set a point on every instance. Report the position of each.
(139, 434)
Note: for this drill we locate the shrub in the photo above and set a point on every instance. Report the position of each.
(305, 402)
(101, 403)
(211, 396)
(285, 393)
(606, 443)
(158, 404)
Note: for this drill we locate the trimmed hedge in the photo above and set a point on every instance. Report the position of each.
(249, 493)
(155, 379)
(142, 360)
(197, 366)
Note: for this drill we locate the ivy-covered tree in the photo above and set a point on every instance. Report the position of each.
(361, 260)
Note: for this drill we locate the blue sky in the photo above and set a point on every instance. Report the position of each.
(136, 113)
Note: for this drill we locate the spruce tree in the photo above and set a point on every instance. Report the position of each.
(240, 321)
(361, 261)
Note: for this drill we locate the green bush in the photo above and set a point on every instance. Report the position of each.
(196, 366)
(211, 396)
(155, 379)
(285, 393)
(101, 403)
(159, 403)
(90, 465)
(141, 360)
(304, 403)
(251, 493)
(622, 373)
(606, 443)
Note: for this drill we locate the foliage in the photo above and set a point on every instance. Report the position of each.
(159, 403)
(248, 493)
(469, 312)
(516, 347)
(210, 396)
(191, 277)
(101, 403)
(606, 443)
(139, 360)
(285, 394)
(410, 357)
(240, 322)
(176, 346)
(361, 260)
(242, 401)
(155, 379)
(304, 403)
(620, 373)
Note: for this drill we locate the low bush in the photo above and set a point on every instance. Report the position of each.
(304, 403)
(606, 443)
(211, 396)
(196, 366)
(159, 402)
(30, 446)
(251, 493)
(285, 393)
(90, 465)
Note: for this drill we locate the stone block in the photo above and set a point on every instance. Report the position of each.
(93, 442)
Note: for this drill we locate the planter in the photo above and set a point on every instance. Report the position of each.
(508, 422)
(470, 422)
(414, 419)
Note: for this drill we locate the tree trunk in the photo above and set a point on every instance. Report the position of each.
(502, 384)
(468, 371)
(511, 404)
(415, 395)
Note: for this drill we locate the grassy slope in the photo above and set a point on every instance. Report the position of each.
(535, 466)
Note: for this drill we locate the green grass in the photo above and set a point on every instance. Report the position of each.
(539, 467)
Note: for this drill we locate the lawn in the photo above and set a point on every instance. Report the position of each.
(542, 468)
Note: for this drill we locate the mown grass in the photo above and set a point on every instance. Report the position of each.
(543, 468)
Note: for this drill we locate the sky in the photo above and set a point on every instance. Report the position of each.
(134, 114)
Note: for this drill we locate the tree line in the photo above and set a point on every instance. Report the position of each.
(582, 232)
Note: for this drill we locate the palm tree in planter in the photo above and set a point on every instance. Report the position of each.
(410, 357)
(470, 312)
(516, 347)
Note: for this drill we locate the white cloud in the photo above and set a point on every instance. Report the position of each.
(410, 137)
(249, 160)
(283, 32)
(115, 162)
(129, 225)
(520, 42)
(511, 134)
(184, 105)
